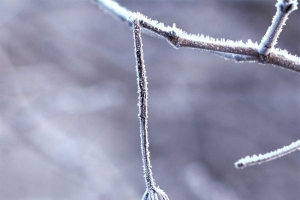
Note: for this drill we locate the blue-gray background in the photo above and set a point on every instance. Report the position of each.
(68, 104)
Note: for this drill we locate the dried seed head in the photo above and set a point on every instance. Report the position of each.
(155, 193)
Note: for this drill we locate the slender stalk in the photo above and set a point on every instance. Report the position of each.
(143, 110)
(152, 192)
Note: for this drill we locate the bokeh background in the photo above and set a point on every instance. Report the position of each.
(68, 104)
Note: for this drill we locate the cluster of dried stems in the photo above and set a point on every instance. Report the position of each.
(264, 53)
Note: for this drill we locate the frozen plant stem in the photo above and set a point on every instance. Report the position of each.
(152, 192)
(284, 8)
(143, 110)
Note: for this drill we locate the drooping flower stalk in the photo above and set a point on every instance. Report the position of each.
(152, 192)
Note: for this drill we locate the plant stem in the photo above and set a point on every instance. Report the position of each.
(143, 110)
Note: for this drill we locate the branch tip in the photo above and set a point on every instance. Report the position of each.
(261, 158)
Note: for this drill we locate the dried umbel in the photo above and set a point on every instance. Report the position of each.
(155, 193)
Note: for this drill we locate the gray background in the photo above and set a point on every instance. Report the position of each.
(68, 105)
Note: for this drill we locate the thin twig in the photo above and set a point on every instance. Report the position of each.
(143, 110)
(152, 192)
(261, 158)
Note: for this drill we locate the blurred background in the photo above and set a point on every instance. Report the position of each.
(68, 104)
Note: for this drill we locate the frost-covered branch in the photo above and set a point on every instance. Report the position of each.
(261, 158)
(264, 53)
(236, 50)
(152, 192)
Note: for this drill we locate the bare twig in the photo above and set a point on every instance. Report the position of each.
(261, 158)
(143, 110)
(152, 192)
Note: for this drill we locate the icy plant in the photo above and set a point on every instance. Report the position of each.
(264, 53)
